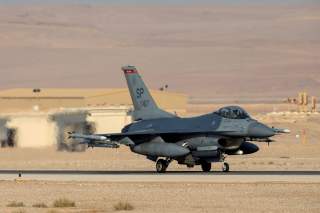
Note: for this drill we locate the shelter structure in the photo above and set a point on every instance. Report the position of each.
(43, 117)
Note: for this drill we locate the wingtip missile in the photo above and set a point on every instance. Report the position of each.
(88, 137)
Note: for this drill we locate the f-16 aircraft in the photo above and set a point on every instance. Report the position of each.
(164, 137)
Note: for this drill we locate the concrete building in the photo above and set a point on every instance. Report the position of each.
(5, 139)
(30, 130)
(43, 117)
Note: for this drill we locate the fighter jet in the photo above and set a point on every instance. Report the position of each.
(164, 137)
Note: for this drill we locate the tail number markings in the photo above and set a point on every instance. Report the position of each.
(139, 92)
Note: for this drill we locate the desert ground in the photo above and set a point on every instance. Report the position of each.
(235, 52)
(164, 197)
(219, 54)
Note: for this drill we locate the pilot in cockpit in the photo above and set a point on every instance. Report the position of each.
(233, 112)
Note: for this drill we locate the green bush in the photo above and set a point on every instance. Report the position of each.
(19, 211)
(63, 203)
(15, 204)
(123, 206)
(39, 205)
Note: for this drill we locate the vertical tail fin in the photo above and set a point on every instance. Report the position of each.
(144, 106)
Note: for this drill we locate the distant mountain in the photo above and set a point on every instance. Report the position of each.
(208, 52)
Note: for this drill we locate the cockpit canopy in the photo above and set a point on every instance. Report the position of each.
(233, 112)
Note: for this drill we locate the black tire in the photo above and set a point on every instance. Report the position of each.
(206, 167)
(225, 167)
(161, 166)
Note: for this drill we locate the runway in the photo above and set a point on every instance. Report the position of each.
(132, 172)
(170, 176)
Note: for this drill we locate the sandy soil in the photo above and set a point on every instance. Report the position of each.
(168, 197)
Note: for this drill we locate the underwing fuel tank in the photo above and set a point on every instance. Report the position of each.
(160, 149)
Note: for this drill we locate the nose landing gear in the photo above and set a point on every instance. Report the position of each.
(225, 167)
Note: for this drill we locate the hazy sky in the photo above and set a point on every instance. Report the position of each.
(157, 1)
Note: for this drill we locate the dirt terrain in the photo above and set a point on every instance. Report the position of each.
(211, 52)
(164, 197)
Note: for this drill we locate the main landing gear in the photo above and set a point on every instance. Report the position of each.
(162, 165)
(206, 167)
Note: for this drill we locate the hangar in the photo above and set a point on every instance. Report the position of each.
(42, 117)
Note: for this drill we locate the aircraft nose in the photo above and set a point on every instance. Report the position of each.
(259, 130)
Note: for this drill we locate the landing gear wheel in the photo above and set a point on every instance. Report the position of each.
(206, 167)
(161, 166)
(225, 167)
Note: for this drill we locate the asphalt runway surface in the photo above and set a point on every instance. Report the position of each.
(169, 176)
(132, 172)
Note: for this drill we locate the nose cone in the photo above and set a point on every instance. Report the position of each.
(259, 130)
